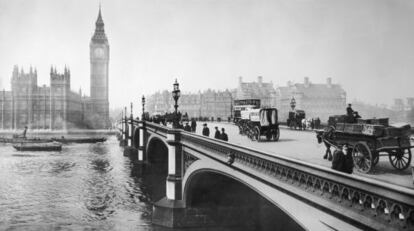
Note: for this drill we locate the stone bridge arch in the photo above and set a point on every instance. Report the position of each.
(228, 200)
(156, 168)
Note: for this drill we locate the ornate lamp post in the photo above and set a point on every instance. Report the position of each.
(176, 95)
(293, 103)
(143, 107)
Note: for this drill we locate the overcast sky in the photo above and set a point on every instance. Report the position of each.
(365, 45)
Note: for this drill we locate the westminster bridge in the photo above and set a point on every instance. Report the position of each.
(205, 182)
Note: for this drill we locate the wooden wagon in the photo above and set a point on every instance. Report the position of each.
(370, 141)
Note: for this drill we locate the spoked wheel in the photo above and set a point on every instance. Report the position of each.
(375, 155)
(252, 134)
(276, 134)
(362, 157)
(257, 132)
(400, 158)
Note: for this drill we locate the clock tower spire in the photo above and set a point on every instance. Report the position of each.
(99, 60)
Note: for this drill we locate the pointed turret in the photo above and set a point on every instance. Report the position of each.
(15, 71)
(99, 36)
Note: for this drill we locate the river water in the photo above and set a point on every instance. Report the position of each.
(83, 187)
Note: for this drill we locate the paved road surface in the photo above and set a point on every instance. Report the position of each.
(302, 145)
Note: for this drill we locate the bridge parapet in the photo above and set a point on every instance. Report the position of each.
(369, 204)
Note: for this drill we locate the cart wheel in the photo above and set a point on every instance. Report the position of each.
(362, 157)
(400, 159)
(276, 134)
(375, 155)
(257, 132)
(269, 135)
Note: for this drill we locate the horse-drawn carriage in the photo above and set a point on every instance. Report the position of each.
(295, 119)
(256, 123)
(369, 139)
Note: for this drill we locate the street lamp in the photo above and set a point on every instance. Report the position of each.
(143, 106)
(176, 95)
(293, 103)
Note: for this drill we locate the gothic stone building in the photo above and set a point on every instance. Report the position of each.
(57, 106)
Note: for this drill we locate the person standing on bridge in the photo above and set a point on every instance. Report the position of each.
(206, 130)
(342, 160)
(217, 134)
(223, 135)
(187, 127)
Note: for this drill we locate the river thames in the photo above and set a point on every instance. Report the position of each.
(83, 187)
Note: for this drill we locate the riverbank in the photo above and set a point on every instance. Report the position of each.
(59, 133)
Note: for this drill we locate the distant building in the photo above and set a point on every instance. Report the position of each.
(366, 110)
(404, 112)
(211, 104)
(57, 106)
(318, 100)
(257, 90)
(27, 104)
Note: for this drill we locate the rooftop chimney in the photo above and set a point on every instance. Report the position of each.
(306, 81)
(259, 79)
(329, 82)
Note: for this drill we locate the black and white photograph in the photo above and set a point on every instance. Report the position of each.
(206, 115)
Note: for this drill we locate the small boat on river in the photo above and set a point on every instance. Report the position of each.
(80, 140)
(53, 146)
(24, 140)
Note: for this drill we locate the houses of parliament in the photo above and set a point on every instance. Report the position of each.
(57, 106)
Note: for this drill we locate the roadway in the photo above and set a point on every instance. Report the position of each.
(302, 145)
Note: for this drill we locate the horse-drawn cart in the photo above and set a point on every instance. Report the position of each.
(370, 141)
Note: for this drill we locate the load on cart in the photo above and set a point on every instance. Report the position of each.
(369, 139)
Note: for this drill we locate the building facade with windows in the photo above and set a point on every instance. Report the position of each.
(209, 103)
(257, 90)
(317, 99)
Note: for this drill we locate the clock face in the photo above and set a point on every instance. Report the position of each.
(99, 52)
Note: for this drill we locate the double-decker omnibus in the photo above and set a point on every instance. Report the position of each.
(242, 105)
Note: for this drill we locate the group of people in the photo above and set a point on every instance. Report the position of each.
(192, 127)
(217, 135)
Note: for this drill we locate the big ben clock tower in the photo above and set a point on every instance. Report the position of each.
(99, 57)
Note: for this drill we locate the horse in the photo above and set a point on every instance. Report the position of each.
(326, 137)
(306, 123)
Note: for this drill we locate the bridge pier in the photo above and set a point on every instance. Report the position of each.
(170, 210)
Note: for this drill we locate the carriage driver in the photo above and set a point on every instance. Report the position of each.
(349, 111)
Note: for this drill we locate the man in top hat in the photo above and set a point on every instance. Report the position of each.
(223, 135)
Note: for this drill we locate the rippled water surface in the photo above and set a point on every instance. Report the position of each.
(83, 187)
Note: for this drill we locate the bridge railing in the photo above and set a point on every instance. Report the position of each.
(366, 202)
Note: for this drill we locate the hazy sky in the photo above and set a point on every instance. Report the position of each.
(365, 45)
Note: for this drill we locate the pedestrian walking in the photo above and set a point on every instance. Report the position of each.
(223, 135)
(217, 134)
(206, 130)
